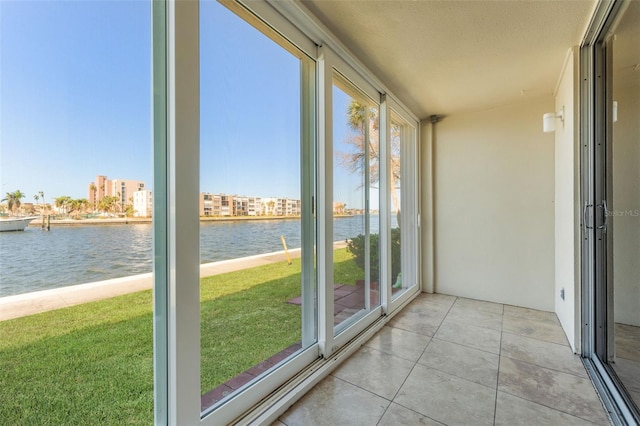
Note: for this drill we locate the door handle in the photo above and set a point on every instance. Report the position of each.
(584, 216)
(606, 216)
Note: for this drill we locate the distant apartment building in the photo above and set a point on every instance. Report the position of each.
(226, 205)
(281, 207)
(254, 206)
(210, 204)
(240, 205)
(121, 188)
(143, 203)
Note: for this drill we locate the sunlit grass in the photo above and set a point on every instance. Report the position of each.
(92, 363)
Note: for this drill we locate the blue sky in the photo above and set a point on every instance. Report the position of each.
(75, 84)
(75, 79)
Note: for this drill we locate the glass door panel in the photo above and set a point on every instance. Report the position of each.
(403, 211)
(623, 202)
(76, 159)
(356, 226)
(256, 225)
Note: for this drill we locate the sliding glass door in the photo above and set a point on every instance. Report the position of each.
(286, 211)
(611, 192)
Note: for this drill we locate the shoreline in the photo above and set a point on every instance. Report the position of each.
(35, 302)
(37, 223)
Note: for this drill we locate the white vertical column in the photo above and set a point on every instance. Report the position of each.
(160, 216)
(183, 162)
(308, 170)
(325, 202)
(384, 214)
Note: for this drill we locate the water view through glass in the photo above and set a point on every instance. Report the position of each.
(67, 255)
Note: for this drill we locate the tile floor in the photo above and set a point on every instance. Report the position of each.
(627, 363)
(452, 361)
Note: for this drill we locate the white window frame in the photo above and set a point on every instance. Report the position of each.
(176, 265)
(409, 190)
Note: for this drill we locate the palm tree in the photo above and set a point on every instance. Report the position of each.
(93, 188)
(41, 194)
(13, 199)
(108, 203)
(360, 115)
(63, 202)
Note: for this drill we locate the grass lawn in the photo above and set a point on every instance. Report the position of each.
(92, 363)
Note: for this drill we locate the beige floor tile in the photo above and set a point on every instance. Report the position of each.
(532, 314)
(397, 415)
(468, 315)
(375, 371)
(544, 354)
(278, 423)
(425, 323)
(514, 411)
(480, 305)
(443, 300)
(628, 372)
(534, 329)
(447, 398)
(421, 304)
(461, 361)
(336, 402)
(568, 393)
(398, 342)
(628, 341)
(481, 338)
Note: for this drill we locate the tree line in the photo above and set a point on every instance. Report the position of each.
(12, 203)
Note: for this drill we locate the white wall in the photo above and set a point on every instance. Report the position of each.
(426, 207)
(567, 202)
(493, 205)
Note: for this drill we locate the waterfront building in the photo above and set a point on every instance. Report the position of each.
(96, 190)
(240, 205)
(254, 206)
(143, 203)
(206, 204)
(226, 205)
(121, 188)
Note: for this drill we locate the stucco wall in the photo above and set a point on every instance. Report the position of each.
(493, 205)
(567, 201)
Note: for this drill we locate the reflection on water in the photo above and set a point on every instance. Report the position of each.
(37, 260)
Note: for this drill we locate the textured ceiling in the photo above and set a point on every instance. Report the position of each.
(443, 57)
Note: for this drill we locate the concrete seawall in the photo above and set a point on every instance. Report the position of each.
(35, 302)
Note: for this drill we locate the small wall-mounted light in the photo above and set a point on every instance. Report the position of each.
(549, 120)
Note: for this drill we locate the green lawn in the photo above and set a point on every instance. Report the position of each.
(92, 363)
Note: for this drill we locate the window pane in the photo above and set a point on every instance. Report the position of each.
(257, 300)
(75, 105)
(403, 206)
(623, 211)
(355, 206)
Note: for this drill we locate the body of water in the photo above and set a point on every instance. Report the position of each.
(67, 255)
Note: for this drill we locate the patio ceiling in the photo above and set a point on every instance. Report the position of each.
(444, 57)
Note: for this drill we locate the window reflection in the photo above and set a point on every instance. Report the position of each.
(356, 199)
(624, 210)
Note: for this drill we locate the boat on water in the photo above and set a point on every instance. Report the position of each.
(15, 223)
